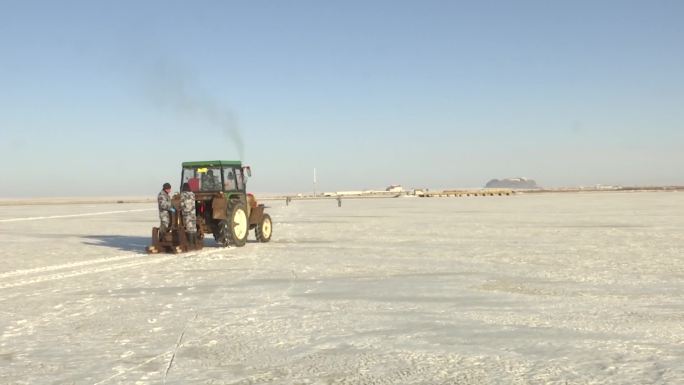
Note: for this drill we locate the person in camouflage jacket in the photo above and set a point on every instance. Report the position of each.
(187, 202)
(165, 208)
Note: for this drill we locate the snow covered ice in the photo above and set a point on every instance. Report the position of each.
(527, 289)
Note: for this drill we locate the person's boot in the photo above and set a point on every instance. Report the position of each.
(191, 240)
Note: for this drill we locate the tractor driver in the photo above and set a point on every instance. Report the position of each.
(210, 182)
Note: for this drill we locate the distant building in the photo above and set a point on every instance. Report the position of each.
(394, 188)
(350, 193)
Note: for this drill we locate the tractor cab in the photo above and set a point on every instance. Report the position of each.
(216, 176)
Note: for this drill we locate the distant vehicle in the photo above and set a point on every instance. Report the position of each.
(223, 206)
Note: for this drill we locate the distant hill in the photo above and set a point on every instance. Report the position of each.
(517, 183)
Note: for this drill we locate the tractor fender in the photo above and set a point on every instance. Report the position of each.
(256, 214)
(219, 207)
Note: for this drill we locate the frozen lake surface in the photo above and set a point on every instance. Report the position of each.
(528, 289)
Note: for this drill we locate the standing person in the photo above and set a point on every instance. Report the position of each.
(165, 207)
(189, 215)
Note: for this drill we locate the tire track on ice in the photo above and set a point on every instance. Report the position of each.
(89, 270)
(32, 276)
(66, 265)
(72, 215)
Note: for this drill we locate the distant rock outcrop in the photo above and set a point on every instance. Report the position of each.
(516, 183)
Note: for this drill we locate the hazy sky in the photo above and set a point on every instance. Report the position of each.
(108, 98)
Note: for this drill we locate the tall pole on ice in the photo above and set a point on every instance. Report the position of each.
(314, 184)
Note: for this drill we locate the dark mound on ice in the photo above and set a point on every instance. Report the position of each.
(513, 183)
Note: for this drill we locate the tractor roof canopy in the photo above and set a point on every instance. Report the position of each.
(213, 163)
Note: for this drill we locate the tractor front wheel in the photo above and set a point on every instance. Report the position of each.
(264, 229)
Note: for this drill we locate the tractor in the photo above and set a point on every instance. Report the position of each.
(222, 204)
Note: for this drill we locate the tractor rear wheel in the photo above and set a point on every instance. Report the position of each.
(264, 229)
(234, 229)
